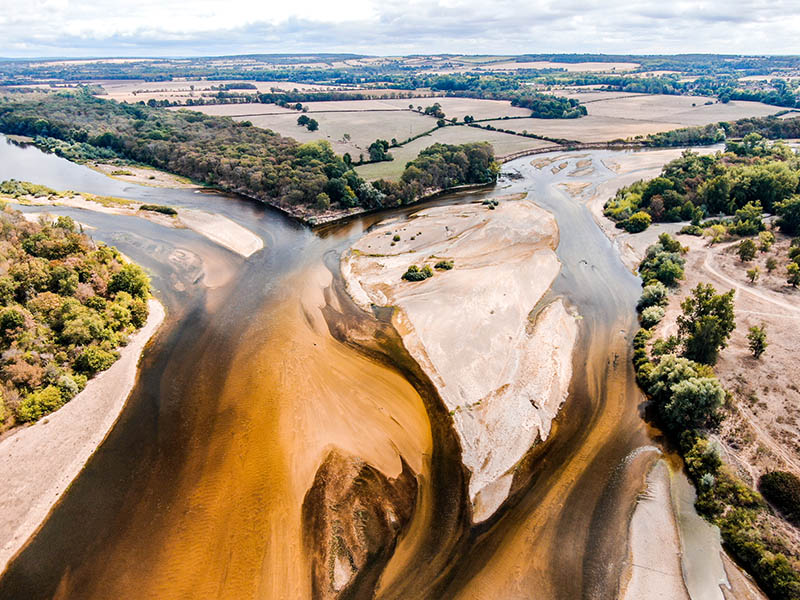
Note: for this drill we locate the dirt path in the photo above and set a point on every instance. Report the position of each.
(709, 266)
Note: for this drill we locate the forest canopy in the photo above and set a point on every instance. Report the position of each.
(66, 305)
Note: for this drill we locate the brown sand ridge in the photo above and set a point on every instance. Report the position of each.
(501, 374)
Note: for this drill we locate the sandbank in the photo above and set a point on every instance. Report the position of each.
(501, 372)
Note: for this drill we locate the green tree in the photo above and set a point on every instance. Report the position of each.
(793, 270)
(303, 120)
(693, 403)
(706, 323)
(757, 340)
(752, 274)
(37, 404)
(654, 294)
(765, 240)
(312, 125)
(789, 211)
(132, 279)
(746, 250)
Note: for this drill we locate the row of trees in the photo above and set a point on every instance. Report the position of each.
(66, 305)
(677, 375)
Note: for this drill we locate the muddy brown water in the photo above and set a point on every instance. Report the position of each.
(197, 491)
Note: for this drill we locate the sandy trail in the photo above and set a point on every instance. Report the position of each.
(38, 463)
(501, 375)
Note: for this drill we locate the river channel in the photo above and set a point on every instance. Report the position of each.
(197, 491)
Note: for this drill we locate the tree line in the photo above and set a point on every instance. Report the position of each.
(235, 156)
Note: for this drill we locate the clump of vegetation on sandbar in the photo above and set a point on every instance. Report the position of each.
(415, 273)
(66, 305)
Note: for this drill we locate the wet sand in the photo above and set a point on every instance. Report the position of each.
(38, 463)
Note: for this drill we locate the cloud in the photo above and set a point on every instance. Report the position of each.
(206, 27)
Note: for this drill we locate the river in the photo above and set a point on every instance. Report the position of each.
(197, 491)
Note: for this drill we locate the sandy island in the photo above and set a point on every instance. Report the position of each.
(215, 227)
(38, 463)
(501, 374)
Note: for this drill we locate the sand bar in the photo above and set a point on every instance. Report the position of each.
(501, 374)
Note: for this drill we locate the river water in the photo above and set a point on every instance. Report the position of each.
(197, 491)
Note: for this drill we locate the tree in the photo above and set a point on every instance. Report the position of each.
(752, 274)
(772, 264)
(303, 120)
(765, 240)
(746, 250)
(793, 270)
(789, 212)
(782, 489)
(694, 402)
(706, 323)
(312, 125)
(757, 340)
(132, 279)
(651, 316)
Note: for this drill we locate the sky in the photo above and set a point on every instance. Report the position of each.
(81, 28)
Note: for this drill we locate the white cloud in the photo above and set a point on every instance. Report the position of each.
(203, 27)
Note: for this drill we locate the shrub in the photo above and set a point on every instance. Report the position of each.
(94, 359)
(654, 294)
(414, 273)
(637, 222)
(772, 264)
(782, 489)
(691, 230)
(444, 265)
(651, 316)
(752, 274)
(37, 404)
(164, 210)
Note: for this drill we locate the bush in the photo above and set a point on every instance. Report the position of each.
(444, 265)
(782, 489)
(164, 210)
(414, 273)
(94, 359)
(654, 294)
(37, 404)
(637, 222)
(651, 316)
(692, 230)
(746, 250)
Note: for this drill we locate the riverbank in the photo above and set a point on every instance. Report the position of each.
(501, 368)
(38, 463)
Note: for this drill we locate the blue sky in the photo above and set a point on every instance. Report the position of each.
(78, 28)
